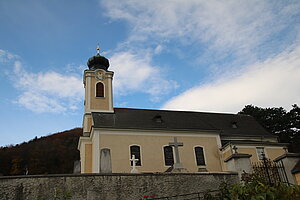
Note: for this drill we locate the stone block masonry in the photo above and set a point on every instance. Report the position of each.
(109, 186)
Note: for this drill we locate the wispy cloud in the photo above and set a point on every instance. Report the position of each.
(54, 92)
(224, 27)
(50, 92)
(6, 56)
(241, 43)
(274, 82)
(135, 73)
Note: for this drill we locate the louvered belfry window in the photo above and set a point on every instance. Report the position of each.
(199, 156)
(136, 151)
(99, 89)
(168, 153)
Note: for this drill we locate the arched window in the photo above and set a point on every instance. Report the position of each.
(136, 151)
(168, 153)
(199, 156)
(99, 89)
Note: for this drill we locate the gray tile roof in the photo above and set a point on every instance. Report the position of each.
(227, 124)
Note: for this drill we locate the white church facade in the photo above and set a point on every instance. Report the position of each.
(161, 140)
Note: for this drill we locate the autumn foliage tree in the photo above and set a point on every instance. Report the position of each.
(53, 154)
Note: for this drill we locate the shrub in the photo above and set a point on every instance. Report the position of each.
(256, 189)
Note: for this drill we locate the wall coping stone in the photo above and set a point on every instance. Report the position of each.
(238, 155)
(287, 155)
(115, 174)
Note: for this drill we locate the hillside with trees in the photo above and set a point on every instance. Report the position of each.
(53, 154)
(279, 122)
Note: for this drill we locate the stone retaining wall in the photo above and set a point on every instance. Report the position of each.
(109, 186)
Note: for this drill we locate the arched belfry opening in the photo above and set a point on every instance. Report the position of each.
(99, 89)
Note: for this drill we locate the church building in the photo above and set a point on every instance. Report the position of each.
(114, 139)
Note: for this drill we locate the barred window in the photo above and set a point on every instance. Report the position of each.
(199, 156)
(99, 89)
(168, 153)
(136, 151)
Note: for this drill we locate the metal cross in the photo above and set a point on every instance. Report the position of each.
(98, 49)
(176, 144)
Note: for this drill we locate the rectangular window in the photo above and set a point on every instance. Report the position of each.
(260, 153)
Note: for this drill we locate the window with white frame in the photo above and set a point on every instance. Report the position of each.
(136, 151)
(99, 89)
(199, 153)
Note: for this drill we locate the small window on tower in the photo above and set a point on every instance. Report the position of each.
(99, 89)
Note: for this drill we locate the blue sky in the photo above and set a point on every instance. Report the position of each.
(215, 56)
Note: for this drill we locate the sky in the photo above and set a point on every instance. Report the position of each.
(198, 55)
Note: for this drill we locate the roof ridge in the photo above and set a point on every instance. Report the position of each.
(182, 111)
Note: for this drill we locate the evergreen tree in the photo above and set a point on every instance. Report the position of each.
(279, 122)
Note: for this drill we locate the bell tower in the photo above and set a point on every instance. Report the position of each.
(97, 82)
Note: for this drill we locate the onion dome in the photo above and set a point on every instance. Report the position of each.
(98, 62)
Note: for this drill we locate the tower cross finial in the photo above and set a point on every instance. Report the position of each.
(98, 49)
